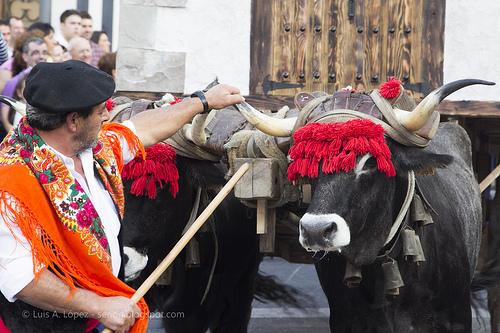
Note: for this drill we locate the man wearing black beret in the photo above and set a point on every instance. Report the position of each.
(61, 196)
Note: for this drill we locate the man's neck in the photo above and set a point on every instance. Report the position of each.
(60, 141)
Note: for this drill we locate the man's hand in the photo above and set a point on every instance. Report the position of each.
(117, 313)
(223, 95)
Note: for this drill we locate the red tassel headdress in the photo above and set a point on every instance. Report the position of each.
(337, 145)
(157, 169)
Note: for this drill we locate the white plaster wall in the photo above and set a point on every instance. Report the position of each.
(214, 34)
(472, 46)
(95, 10)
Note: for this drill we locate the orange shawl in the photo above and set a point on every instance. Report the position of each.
(71, 251)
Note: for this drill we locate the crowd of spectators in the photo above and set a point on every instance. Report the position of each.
(22, 48)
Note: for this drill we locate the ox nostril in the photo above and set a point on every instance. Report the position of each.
(332, 228)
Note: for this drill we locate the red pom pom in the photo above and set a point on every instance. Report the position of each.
(110, 104)
(390, 89)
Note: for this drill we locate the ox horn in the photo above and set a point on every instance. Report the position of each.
(415, 120)
(267, 124)
(19, 107)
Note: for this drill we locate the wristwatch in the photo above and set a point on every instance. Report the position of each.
(203, 99)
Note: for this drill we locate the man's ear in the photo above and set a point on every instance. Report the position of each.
(72, 121)
(25, 57)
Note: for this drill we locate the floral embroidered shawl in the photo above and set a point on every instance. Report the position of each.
(40, 196)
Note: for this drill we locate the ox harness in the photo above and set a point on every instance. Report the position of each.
(208, 137)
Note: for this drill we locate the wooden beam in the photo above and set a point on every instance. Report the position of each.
(470, 109)
(467, 109)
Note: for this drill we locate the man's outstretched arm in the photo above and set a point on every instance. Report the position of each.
(156, 125)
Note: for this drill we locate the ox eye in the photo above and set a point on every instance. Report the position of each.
(366, 164)
(371, 163)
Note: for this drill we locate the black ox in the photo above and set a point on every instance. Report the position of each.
(154, 226)
(351, 213)
(350, 217)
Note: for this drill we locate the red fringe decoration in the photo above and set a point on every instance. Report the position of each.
(337, 145)
(390, 89)
(157, 169)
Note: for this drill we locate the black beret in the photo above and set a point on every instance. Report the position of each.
(70, 86)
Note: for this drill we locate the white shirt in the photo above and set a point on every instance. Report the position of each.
(61, 40)
(16, 265)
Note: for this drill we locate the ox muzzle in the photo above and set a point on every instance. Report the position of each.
(135, 262)
(323, 232)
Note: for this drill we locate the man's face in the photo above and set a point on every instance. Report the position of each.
(36, 54)
(16, 28)
(87, 135)
(5, 31)
(71, 27)
(82, 51)
(86, 28)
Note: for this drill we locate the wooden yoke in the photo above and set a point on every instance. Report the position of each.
(261, 184)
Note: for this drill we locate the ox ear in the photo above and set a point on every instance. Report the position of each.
(421, 161)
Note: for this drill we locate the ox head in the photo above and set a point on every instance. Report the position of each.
(353, 210)
(360, 178)
(152, 225)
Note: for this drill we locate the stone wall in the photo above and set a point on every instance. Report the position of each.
(182, 45)
(141, 66)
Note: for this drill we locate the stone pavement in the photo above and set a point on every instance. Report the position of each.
(271, 318)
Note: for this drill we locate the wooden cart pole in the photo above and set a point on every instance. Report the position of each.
(489, 179)
(197, 224)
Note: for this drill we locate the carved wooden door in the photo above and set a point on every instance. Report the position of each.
(26, 10)
(309, 45)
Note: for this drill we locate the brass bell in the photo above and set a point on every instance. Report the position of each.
(420, 257)
(193, 254)
(419, 212)
(409, 243)
(352, 276)
(392, 292)
(392, 277)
